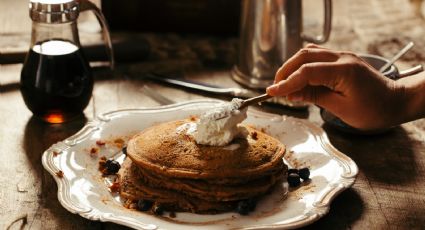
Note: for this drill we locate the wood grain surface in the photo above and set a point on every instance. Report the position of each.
(389, 192)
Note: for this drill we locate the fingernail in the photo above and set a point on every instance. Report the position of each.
(271, 89)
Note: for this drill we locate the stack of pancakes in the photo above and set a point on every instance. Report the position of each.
(166, 166)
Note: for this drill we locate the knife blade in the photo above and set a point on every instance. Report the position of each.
(230, 91)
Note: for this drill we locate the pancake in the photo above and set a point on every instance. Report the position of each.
(165, 165)
(167, 149)
(133, 188)
(213, 192)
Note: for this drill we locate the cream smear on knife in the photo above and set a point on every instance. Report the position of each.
(219, 126)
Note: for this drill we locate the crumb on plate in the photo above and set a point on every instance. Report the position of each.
(59, 174)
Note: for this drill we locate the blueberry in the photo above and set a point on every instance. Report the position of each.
(157, 209)
(292, 171)
(246, 206)
(112, 166)
(294, 180)
(304, 173)
(144, 205)
(252, 204)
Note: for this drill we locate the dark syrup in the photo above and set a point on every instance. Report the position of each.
(56, 86)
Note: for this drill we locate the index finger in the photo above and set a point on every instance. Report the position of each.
(312, 74)
(304, 56)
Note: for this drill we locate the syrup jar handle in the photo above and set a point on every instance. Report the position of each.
(87, 5)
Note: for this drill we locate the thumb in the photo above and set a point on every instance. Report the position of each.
(319, 95)
(276, 89)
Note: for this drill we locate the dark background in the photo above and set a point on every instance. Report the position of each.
(219, 17)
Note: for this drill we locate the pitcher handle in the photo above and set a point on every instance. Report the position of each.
(326, 26)
(87, 5)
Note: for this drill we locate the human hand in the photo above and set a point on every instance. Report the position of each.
(342, 83)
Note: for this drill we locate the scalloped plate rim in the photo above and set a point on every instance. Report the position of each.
(91, 126)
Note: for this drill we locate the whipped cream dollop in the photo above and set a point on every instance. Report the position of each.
(220, 125)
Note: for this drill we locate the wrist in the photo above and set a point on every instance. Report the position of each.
(411, 93)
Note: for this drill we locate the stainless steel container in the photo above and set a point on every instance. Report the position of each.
(271, 32)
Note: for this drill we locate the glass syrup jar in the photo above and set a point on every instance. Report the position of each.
(56, 78)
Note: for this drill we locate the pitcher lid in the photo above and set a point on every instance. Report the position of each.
(53, 11)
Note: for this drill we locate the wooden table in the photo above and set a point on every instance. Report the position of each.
(389, 191)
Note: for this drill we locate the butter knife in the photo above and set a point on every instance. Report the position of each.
(231, 91)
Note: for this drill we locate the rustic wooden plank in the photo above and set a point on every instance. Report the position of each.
(389, 191)
(27, 188)
(389, 163)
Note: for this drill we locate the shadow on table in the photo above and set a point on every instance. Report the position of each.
(345, 209)
(387, 158)
(391, 164)
(302, 113)
(38, 137)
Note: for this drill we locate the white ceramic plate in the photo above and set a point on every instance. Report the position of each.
(82, 190)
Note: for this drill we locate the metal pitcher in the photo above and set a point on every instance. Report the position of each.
(270, 33)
